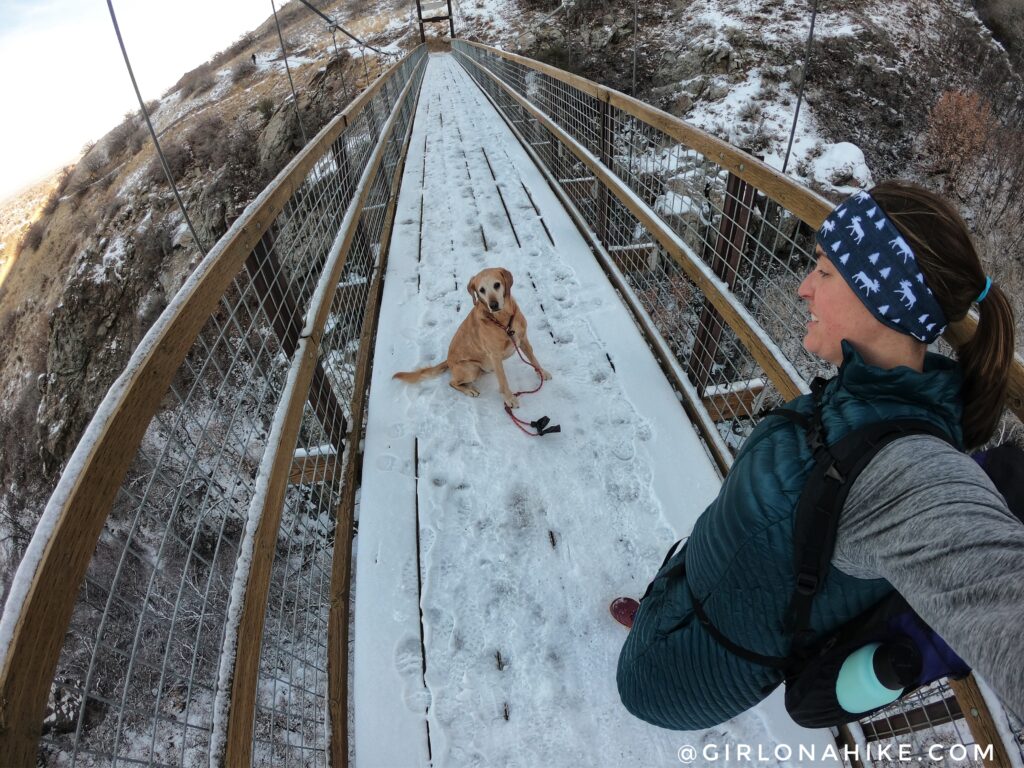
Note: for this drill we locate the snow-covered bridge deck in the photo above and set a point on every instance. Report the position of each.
(486, 558)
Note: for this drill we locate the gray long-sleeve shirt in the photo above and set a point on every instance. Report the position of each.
(927, 518)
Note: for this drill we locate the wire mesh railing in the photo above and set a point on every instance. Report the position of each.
(707, 243)
(708, 246)
(171, 609)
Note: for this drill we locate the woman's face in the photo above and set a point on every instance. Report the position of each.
(836, 313)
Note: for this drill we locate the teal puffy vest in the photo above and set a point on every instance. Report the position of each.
(739, 557)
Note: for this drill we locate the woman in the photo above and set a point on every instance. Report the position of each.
(893, 267)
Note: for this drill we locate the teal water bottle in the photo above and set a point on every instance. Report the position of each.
(876, 674)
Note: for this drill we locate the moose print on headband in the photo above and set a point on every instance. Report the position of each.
(870, 253)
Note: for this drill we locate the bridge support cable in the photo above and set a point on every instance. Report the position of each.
(288, 70)
(152, 132)
(336, 26)
(169, 458)
(803, 82)
(240, 660)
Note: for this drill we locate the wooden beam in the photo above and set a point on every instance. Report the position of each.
(734, 403)
(848, 745)
(979, 720)
(283, 309)
(936, 713)
(307, 470)
(725, 261)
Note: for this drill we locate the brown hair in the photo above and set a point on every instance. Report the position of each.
(943, 248)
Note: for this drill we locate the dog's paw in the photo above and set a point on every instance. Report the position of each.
(545, 374)
(511, 401)
(471, 391)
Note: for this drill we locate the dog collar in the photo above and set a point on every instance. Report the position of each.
(509, 331)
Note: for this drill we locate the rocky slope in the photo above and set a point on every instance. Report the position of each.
(112, 248)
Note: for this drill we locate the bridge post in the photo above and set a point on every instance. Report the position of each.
(419, 15)
(268, 275)
(604, 196)
(725, 259)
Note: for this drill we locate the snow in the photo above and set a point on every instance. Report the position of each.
(519, 543)
(748, 108)
(320, 450)
(842, 167)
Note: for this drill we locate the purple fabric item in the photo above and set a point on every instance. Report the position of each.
(938, 660)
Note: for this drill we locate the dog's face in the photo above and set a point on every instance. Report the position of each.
(493, 287)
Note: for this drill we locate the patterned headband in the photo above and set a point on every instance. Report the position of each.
(869, 252)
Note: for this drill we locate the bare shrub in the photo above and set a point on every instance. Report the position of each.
(119, 137)
(54, 199)
(178, 160)
(958, 128)
(138, 139)
(233, 50)
(34, 234)
(207, 139)
(242, 165)
(92, 163)
(196, 82)
(265, 106)
(242, 69)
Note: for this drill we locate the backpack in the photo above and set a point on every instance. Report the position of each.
(916, 654)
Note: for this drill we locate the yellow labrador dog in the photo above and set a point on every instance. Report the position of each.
(482, 342)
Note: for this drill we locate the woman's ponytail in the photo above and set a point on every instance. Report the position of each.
(942, 245)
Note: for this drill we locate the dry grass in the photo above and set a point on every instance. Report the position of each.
(17, 214)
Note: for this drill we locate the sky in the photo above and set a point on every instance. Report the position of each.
(63, 81)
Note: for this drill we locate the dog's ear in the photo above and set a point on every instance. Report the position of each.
(506, 278)
(471, 287)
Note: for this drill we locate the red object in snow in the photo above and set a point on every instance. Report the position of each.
(623, 610)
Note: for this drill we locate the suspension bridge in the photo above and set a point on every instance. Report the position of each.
(266, 550)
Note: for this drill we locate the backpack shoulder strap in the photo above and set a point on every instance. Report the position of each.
(821, 503)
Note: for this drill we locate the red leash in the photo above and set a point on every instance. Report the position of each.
(541, 424)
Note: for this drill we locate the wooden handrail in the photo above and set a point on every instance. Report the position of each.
(277, 466)
(36, 615)
(808, 206)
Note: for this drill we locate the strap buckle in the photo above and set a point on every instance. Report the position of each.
(807, 583)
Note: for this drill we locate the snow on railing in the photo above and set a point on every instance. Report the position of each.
(185, 563)
(707, 246)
